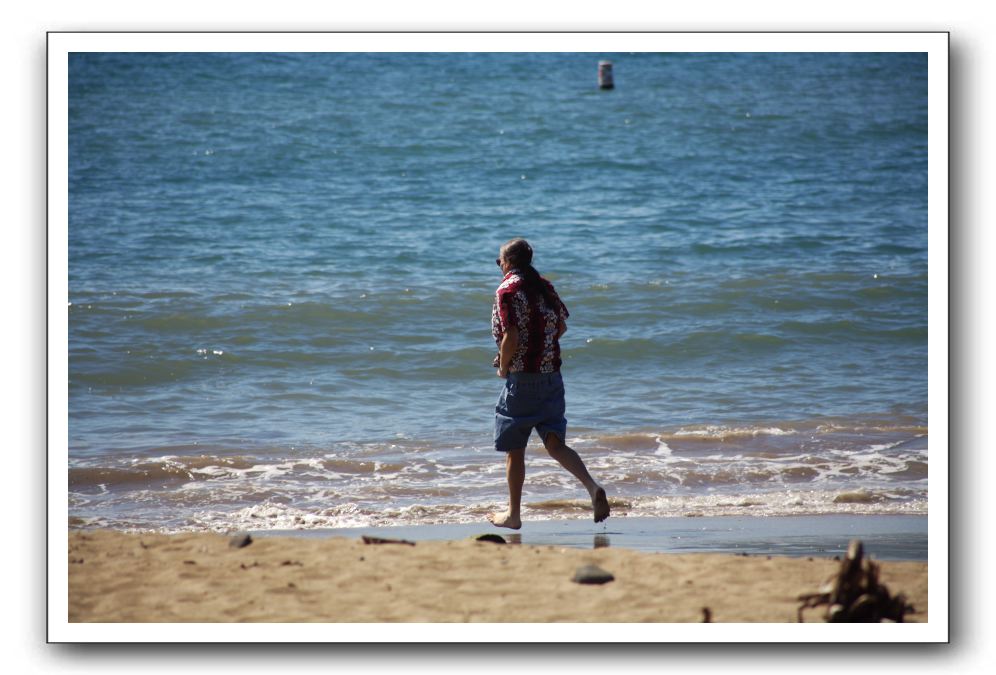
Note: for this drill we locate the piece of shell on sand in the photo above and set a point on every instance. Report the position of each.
(240, 540)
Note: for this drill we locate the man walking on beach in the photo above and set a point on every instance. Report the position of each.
(527, 320)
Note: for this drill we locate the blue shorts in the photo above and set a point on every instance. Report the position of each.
(528, 401)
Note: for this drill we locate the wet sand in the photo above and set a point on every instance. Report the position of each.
(884, 537)
(119, 577)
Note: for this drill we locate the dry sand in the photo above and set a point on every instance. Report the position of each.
(118, 577)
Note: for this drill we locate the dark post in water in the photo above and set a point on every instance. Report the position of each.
(605, 75)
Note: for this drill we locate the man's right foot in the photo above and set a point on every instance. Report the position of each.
(600, 505)
(505, 520)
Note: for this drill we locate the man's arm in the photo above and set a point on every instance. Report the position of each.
(561, 328)
(509, 343)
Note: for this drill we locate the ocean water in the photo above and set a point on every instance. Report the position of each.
(281, 274)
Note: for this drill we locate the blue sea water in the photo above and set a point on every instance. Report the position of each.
(281, 273)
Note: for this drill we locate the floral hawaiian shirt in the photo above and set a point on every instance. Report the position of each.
(539, 348)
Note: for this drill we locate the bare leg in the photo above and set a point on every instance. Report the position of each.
(572, 462)
(515, 472)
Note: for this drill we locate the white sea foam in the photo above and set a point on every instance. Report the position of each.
(647, 474)
(271, 516)
(721, 432)
(662, 448)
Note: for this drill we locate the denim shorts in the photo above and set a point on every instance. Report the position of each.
(528, 401)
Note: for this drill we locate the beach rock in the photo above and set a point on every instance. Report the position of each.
(240, 540)
(591, 574)
(493, 538)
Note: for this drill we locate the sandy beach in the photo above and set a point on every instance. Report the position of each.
(122, 577)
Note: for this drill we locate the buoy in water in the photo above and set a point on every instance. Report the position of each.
(605, 75)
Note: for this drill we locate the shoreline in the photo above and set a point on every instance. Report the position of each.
(200, 577)
(886, 537)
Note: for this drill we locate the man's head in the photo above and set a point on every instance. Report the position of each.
(516, 253)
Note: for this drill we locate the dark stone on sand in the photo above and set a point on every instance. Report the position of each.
(493, 538)
(591, 574)
(240, 540)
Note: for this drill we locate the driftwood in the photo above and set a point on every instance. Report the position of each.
(381, 540)
(855, 594)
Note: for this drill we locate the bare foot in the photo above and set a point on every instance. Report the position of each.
(600, 505)
(505, 519)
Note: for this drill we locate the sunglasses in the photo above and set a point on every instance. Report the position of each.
(498, 262)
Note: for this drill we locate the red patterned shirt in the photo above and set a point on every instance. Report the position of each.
(539, 348)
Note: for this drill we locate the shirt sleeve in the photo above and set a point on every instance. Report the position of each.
(507, 314)
(562, 312)
(496, 331)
